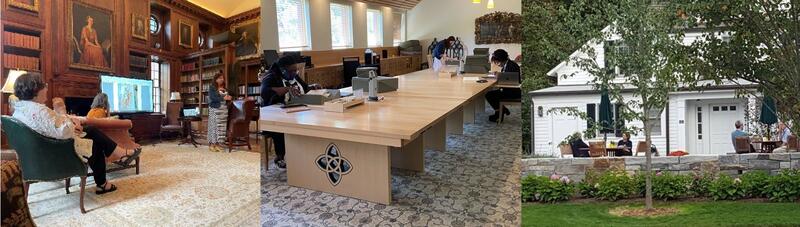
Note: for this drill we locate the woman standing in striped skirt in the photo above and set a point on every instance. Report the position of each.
(217, 114)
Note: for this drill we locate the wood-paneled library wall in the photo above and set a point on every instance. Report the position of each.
(49, 20)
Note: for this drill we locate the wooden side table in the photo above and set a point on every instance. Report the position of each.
(189, 134)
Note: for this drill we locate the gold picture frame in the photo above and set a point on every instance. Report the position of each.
(33, 6)
(498, 27)
(139, 26)
(185, 34)
(97, 56)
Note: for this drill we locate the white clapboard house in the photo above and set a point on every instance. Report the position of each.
(698, 122)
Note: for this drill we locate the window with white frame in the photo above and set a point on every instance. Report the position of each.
(655, 122)
(293, 33)
(155, 76)
(374, 28)
(341, 26)
(399, 28)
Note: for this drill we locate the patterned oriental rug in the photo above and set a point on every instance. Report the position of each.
(475, 183)
(177, 186)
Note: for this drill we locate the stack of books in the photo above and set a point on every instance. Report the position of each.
(20, 40)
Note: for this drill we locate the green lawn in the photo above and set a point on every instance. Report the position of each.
(694, 214)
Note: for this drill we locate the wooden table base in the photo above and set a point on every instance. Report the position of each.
(436, 137)
(455, 122)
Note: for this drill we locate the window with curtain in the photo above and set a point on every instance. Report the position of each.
(399, 28)
(374, 28)
(155, 76)
(341, 26)
(293, 26)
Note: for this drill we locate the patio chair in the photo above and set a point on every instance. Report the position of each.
(793, 145)
(59, 162)
(597, 149)
(742, 145)
(565, 150)
(641, 147)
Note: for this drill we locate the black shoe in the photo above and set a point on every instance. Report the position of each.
(494, 117)
(281, 163)
(102, 189)
(506, 111)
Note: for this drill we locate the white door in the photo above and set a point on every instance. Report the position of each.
(563, 126)
(720, 126)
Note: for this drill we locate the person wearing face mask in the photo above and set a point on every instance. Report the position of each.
(280, 84)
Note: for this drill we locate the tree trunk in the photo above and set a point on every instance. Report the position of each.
(648, 195)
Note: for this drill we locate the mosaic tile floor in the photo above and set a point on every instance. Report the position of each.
(475, 183)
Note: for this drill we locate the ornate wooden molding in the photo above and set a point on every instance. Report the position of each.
(246, 16)
(195, 10)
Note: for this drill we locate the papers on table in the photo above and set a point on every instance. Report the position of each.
(471, 78)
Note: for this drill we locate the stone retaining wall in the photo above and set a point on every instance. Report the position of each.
(731, 164)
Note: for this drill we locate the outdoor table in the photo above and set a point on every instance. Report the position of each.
(611, 152)
(768, 146)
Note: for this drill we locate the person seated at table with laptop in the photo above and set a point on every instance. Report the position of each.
(783, 136)
(626, 144)
(99, 106)
(740, 133)
(280, 83)
(500, 58)
(30, 110)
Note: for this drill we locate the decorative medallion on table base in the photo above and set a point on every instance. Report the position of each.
(333, 164)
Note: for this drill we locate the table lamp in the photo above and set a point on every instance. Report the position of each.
(174, 96)
(8, 87)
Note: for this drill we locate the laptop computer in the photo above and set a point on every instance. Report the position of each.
(191, 112)
(509, 78)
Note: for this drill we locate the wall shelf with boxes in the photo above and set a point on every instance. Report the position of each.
(197, 72)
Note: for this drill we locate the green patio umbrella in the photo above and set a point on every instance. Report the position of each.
(605, 112)
(768, 115)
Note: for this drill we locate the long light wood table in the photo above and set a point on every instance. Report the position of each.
(352, 153)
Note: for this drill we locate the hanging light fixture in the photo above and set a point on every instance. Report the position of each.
(476, 1)
(490, 5)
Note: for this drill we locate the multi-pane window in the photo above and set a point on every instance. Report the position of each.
(617, 125)
(612, 51)
(293, 25)
(374, 28)
(399, 28)
(155, 26)
(341, 26)
(155, 76)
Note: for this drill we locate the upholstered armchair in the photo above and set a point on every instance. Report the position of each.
(14, 204)
(45, 159)
(173, 123)
(118, 131)
(240, 115)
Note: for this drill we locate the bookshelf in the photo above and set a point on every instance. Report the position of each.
(139, 64)
(197, 73)
(21, 49)
(247, 84)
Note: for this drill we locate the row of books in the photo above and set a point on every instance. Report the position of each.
(21, 62)
(190, 89)
(136, 60)
(206, 87)
(189, 66)
(139, 75)
(251, 90)
(212, 61)
(21, 40)
(210, 74)
(190, 78)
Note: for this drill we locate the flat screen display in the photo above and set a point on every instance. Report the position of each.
(126, 95)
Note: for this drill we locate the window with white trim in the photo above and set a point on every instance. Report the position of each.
(155, 76)
(293, 33)
(374, 28)
(341, 26)
(399, 28)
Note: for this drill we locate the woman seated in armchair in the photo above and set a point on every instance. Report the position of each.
(31, 90)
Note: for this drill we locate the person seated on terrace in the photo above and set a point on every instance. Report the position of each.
(740, 133)
(783, 135)
(576, 146)
(30, 110)
(625, 143)
(99, 106)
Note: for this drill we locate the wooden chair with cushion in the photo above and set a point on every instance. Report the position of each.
(793, 144)
(597, 149)
(173, 123)
(641, 147)
(45, 159)
(239, 117)
(742, 144)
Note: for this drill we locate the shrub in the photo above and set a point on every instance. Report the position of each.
(614, 185)
(784, 187)
(546, 189)
(755, 183)
(668, 186)
(726, 188)
(587, 187)
(700, 184)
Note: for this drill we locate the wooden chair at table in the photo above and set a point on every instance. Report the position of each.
(742, 144)
(566, 150)
(597, 149)
(793, 144)
(641, 147)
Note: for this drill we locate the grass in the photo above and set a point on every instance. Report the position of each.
(718, 213)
